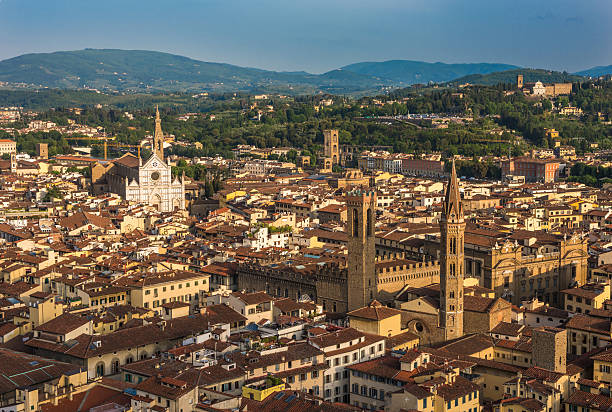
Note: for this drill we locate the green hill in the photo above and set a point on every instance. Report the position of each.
(596, 71)
(410, 72)
(139, 70)
(509, 76)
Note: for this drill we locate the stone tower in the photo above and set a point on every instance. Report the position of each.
(550, 349)
(13, 163)
(331, 145)
(42, 150)
(158, 137)
(452, 231)
(361, 215)
(519, 81)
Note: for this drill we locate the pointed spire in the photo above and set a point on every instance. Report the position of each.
(158, 136)
(452, 201)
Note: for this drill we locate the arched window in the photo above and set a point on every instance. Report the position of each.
(100, 369)
(355, 223)
(115, 366)
(370, 223)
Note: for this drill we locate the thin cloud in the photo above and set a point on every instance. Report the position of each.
(575, 19)
(544, 17)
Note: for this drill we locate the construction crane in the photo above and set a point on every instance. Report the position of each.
(102, 139)
(105, 144)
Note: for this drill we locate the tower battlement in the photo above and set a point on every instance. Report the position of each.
(357, 197)
(361, 216)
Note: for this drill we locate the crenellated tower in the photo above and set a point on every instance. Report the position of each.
(452, 233)
(361, 217)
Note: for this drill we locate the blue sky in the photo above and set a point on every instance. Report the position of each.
(320, 35)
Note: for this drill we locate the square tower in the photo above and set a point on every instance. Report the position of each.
(332, 149)
(550, 348)
(519, 81)
(361, 216)
(42, 150)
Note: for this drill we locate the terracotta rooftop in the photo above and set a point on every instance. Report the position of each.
(374, 311)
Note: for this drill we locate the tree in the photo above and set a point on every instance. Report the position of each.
(53, 193)
(209, 189)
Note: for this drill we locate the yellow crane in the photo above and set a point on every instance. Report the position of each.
(101, 138)
(116, 144)
(105, 143)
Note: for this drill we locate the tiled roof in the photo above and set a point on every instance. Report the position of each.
(589, 323)
(63, 324)
(589, 400)
(253, 298)
(374, 311)
(532, 405)
(97, 395)
(460, 387)
(128, 160)
(18, 370)
(508, 329)
(469, 345)
(84, 346)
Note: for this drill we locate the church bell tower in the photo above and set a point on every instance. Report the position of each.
(158, 137)
(361, 216)
(452, 233)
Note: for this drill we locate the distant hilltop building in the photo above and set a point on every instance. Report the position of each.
(150, 182)
(8, 146)
(533, 170)
(540, 89)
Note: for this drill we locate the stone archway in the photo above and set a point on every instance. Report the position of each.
(176, 204)
(156, 201)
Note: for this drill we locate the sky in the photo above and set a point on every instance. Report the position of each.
(321, 35)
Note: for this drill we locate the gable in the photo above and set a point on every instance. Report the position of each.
(500, 304)
(154, 163)
(420, 305)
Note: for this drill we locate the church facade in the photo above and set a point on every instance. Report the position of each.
(149, 183)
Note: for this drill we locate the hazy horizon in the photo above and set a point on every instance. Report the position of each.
(320, 36)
